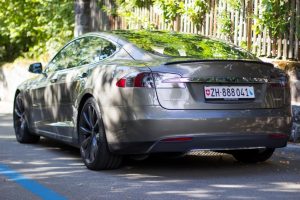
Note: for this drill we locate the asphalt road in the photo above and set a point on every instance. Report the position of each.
(50, 170)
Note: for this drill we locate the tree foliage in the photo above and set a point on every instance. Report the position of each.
(33, 27)
(274, 16)
(170, 10)
(197, 12)
(224, 19)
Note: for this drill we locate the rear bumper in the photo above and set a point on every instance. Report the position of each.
(145, 129)
(216, 142)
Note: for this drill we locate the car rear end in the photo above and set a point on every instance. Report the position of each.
(212, 105)
(197, 93)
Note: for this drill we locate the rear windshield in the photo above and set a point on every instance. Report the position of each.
(184, 45)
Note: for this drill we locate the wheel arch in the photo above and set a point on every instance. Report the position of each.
(80, 106)
(16, 94)
(14, 102)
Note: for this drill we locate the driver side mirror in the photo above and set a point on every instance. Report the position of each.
(36, 68)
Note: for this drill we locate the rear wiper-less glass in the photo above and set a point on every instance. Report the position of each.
(210, 60)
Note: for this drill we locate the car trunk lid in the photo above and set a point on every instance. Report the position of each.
(265, 81)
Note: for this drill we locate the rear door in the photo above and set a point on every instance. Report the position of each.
(223, 85)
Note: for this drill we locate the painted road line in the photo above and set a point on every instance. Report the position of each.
(30, 184)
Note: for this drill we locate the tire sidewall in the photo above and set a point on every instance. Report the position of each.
(20, 133)
(102, 144)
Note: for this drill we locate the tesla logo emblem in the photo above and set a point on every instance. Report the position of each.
(229, 66)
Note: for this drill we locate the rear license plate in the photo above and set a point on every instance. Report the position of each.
(229, 92)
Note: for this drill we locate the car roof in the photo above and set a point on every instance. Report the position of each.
(120, 37)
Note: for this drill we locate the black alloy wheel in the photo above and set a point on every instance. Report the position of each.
(22, 132)
(93, 145)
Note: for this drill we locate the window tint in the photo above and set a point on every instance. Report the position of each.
(95, 49)
(80, 52)
(183, 45)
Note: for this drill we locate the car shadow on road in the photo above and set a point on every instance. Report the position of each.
(198, 164)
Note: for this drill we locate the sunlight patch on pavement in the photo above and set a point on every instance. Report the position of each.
(54, 174)
(231, 186)
(38, 163)
(241, 197)
(5, 124)
(14, 162)
(283, 187)
(138, 176)
(197, 193)
(44, 169)
(76, 164)
(66, 158)
(165, 181)
(7, 137)
(288, 185)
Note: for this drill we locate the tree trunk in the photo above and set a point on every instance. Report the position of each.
(82, 17)
(274, 46)
(177, 23)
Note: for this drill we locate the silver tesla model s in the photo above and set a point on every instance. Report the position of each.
(143, 92)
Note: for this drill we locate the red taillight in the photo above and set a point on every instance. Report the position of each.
(121, 83)
(278, 136)
(150, 80)
(144, 80)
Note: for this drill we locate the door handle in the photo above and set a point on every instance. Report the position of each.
(53, 80)
(83, 75)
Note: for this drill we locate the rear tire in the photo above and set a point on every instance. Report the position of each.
(93, 144)
(253, 155)
(23, 135)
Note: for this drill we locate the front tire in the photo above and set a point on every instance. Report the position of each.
(93, 144)
(253, 155)
(22, 132)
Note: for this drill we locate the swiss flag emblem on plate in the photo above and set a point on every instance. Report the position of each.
(207, 92)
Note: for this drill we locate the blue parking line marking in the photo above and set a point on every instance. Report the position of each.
(30, 185)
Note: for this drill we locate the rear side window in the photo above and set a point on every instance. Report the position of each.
(80, 52)
(95, 49)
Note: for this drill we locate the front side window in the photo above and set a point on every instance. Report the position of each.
(80, 52)
(66, 58)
